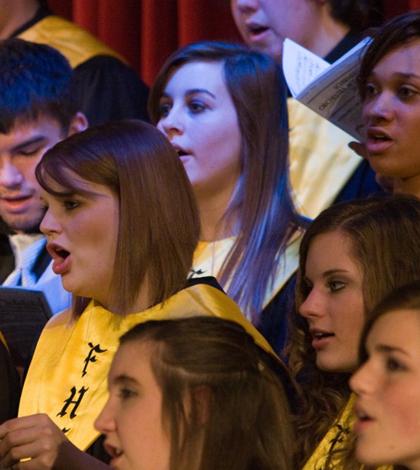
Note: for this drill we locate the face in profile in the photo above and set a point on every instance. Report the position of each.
(20, 151)
(132, 419)
(333, 306)
(388, 392)
(82, 232)
(198, 117)
(391, 114)
(264, 24)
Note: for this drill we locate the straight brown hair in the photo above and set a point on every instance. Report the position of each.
(158, 219)
(384, 233)
(261, 208)
(246, 424)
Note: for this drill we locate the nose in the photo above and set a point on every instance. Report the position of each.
(378, 108)
(10, 176)
(105, 422)
(362, 381)
(244, 6)
(312, 306)
(49, 224)
(172, 124)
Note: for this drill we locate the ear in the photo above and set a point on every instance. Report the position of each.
(78, 123)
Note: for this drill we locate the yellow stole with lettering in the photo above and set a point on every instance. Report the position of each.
(209, 258)
(76, 44)
(320, 160)
(336, 439)
(67, 378)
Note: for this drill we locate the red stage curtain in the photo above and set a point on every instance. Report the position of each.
(147, 31)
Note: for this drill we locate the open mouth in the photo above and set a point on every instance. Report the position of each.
(363, 419)
(57, 252)
(181, 153)
(321, 334)
(255, 29)
(320, 338)
(61, 258)
(114, 452)
(378, 136)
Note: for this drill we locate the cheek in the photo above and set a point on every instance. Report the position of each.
(404, 412)
(159, 126)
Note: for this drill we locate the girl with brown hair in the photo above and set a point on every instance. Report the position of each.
(351, 256)
(122, 226)
(223, 108)
(387, 384)
(200, 396)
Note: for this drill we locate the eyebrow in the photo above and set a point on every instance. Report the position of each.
(125, 379)
(386, 348)
(193, 91)
(334, 271)
(33, 140)
(401, 75)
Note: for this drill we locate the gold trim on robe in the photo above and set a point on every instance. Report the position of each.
(321, 162)
(67, 378)
(75, 43)
(335, 439)
(209, 258)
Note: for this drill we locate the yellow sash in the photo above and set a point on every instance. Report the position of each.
(209, 257)
(67, 378)
(3, 340)
(76, 44)
(320, 160)
(335, 439)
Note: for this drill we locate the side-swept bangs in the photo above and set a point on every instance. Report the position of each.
(158, 220)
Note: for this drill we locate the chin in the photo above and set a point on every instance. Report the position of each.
(364, 455)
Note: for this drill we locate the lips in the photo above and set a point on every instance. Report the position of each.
(320, 337)
(114, 452)
(378, 141)
(17, 203)
(363, 419)
(61, 258)
(182, 153)
(256, 31)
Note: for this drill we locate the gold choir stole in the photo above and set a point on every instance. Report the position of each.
(76, 44)
(328, 450)
(209, 258)
(320, 160)
(67, 378)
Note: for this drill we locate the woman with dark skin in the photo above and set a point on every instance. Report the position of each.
(390, 90)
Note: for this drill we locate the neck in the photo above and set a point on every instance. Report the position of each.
(328, 33)
(212, 208)
(16, 13)
(407, 186)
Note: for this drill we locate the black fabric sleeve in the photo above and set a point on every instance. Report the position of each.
(106, 89)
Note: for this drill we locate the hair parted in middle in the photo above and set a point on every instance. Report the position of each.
(158, 219)
(247, 424)
(261, 207)
(384, 233)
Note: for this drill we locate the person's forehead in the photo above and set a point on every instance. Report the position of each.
(25, 128)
